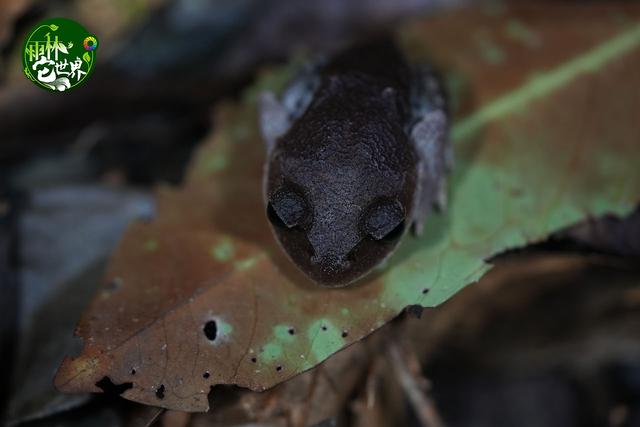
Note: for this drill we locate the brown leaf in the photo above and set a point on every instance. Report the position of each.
(204, 296)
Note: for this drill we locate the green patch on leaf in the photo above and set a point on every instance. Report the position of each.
(324, 338)
(223, 250)
(151, 245)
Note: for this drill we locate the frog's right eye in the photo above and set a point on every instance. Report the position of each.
(384, 220)
(287, 208)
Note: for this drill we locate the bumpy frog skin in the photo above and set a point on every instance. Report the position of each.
(357, 153)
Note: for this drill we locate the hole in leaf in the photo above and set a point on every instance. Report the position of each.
(278, 368)
(211, 330)
(160, 392)
(109, 387)
(292, 331)
(324, 328)
(133, 371)
(206, 375)
(425, 291)
(345, 334)
(254, 360)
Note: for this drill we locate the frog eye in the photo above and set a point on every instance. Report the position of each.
(384, 220)
(287, 208)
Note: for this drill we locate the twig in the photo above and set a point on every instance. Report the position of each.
(423, 406)
(155, 417)
(371, 384)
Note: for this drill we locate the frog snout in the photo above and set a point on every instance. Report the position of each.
(331, 262)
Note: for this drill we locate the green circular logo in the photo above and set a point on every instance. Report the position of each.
(59, 54)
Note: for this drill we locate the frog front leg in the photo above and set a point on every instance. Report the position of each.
(277, 115)
(429, 136)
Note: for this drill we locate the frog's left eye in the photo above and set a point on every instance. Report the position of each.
(384, 220)
(287, 208)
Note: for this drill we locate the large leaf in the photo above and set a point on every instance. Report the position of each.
(554, 139)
